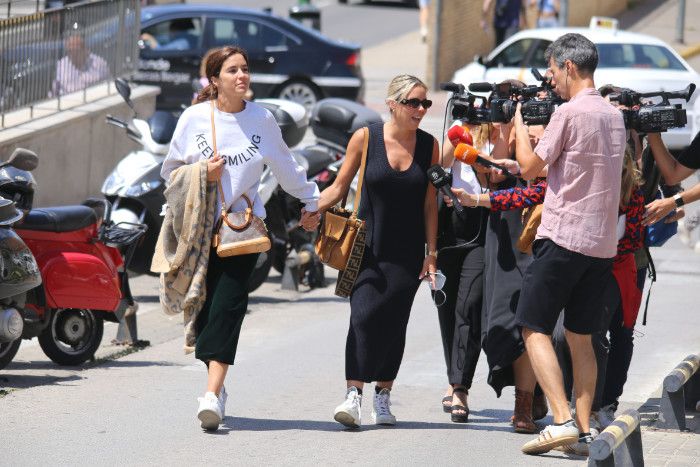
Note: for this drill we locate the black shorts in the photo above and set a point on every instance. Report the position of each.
(559, 279)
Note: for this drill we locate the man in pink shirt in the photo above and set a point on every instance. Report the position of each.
(78, 69)
(583, 147)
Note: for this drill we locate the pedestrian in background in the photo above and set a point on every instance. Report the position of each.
(248, 138)
(508, 17)
(79, 68)
(583, 147)
(399, 207)
(547, 13)
(423, 6)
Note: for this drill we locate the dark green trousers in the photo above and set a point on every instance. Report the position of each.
(219, 323)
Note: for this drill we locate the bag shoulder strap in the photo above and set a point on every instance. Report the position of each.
(363, 165)
(216, 153)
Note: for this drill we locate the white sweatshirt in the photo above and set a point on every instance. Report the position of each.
(247, 140)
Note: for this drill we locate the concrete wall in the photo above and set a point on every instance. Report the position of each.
(461, 37)
(76, 147)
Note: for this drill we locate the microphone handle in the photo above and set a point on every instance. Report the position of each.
(488, 163)
(445, 189)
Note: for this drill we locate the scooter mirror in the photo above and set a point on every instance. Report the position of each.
(22, 159)
(124, 90)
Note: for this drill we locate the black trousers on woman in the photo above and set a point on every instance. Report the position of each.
(460, 314)
(219, 323)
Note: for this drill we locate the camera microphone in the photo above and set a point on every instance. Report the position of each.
(458, 134)
(440, 180)
(470, 155)
(455, 88)
(481, 87)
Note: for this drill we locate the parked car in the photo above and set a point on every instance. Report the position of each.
(636, 61)
(287, 59)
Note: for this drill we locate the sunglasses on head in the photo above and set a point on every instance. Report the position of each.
(415, 102)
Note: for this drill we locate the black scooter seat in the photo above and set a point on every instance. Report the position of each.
(318, 158)
(59, 219)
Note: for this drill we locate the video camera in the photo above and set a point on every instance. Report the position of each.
(504, 97)
(650, 117)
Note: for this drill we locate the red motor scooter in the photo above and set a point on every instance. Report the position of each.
(82, 258)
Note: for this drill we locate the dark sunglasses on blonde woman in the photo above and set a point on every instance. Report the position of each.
(415, 102)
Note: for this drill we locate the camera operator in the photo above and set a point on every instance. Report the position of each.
(674, 171)
(583, 145)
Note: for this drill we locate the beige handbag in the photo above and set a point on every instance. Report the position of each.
(531, 218)
(237, 233)
(341, 240)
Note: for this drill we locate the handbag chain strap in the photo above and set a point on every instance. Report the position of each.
(249, 209)
(363, 164)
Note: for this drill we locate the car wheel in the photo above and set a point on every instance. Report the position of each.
(342, 1)
(300, 91)
(72, 336)
(8, 350)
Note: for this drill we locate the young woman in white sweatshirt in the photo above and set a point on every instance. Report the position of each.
(248, 138)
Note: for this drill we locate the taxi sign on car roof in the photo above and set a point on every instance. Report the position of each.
(603, 22)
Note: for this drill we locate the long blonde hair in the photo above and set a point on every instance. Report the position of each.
(401, 85)
(631, 176)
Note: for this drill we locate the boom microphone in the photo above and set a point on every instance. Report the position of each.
(459, 134)
(455, 88)
(470, 155)
(481, 87)
(440, 180)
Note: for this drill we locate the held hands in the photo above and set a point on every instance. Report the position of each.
(429, 269)
(309, 220)
(215, 166)
(658, 209)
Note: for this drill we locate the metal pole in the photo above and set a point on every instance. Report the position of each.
(680, 22)
(436, 32)
(564, 13)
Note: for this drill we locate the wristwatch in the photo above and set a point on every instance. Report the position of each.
(679, 200)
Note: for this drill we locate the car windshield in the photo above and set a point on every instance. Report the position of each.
(637, 56)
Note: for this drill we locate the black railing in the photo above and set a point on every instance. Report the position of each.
(59, 53)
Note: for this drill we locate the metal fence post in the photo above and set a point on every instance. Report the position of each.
(673, 400)
(620, 444)
(680, 22)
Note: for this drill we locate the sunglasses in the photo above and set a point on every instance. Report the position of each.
(415, 102)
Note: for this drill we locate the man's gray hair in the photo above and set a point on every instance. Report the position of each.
(575, 47)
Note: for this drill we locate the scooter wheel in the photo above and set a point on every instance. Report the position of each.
(72, 336)
(8, 350)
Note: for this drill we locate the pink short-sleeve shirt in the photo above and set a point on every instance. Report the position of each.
(583, 145)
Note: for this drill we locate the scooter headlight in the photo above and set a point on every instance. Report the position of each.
(112, 184)
(142, 187)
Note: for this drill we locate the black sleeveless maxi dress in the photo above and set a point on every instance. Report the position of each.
(380, 304)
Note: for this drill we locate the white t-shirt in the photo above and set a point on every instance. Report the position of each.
(247, 140)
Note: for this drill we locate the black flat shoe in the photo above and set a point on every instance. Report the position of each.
(459, 417)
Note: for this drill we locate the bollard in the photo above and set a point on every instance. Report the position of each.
(620, 444)
(290, 275)
(673, 397)
(127, 333)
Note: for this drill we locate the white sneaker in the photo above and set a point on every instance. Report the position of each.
(349, 412)
(606, 415)
(222, 401)
(209, 411)
(381, 413)
(551, 437)
(581, 447)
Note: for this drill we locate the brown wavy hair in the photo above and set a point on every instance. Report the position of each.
(213, 61)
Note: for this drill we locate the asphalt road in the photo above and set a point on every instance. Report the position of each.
(356, 22)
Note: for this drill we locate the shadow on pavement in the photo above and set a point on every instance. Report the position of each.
(640, 11)
(16, 381)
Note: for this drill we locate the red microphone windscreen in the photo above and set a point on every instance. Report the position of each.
(459, 134)
(466, 153)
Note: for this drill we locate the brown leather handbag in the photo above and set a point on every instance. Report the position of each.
(531, 217)
(237, 233)
(341, 240)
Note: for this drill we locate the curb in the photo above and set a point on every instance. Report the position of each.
(690, 52)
